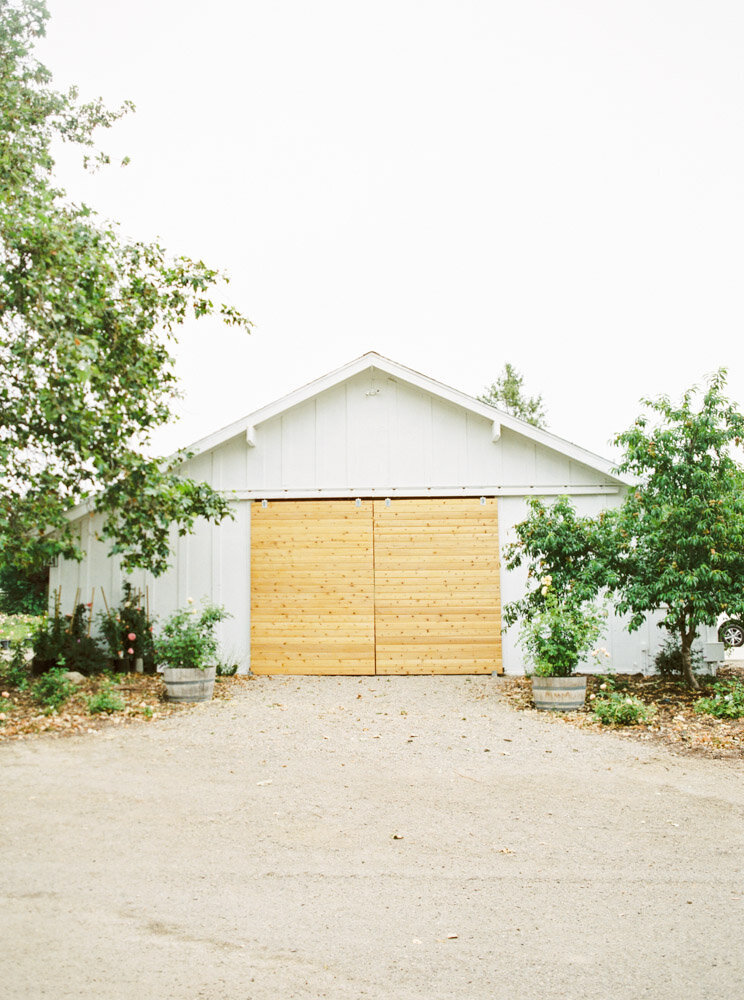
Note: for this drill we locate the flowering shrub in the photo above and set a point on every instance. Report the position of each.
(127, 632)
(188, 639)
(560, 633)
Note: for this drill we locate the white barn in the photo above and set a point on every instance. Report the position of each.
(371, 506)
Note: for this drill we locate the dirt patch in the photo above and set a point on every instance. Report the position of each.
(143, 698)
(675, 722)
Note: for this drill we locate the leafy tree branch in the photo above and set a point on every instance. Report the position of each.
(87, 320)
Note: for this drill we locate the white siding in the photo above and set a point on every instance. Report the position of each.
(377, 434)
(374, 434)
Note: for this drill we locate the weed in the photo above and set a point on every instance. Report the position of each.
(726, 702)
(616, 709)
(227, 669)
(53, 689)
(107, 700)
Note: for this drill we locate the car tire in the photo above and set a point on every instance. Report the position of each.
(731, 633)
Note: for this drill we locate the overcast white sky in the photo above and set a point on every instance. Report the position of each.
(452, 183)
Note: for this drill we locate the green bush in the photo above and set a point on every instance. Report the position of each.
(726, 702)
(617, 709)
(53, 689)
(560, 632)
(188, 638)
(227, 669)
(107, 700)
(668, 661)
(63, 641)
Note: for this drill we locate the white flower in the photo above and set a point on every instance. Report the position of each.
(544, 591)
(189, 600)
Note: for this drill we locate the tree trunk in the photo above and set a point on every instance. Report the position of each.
(689, 676)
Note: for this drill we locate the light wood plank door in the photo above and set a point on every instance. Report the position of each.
(437, 599)
(312, 587)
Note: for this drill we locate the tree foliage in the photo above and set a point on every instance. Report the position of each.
(86, 322)
(574, 551)
(680, 532)
(675, 546)
(507, 393)
(23, 591)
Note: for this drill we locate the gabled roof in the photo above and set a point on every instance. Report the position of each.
(371, 360)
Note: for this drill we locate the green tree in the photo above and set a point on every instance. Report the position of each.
(506, 393)
(86, 322)
(680, 531)
(676, 545)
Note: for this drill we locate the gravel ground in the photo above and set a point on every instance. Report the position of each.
(385, 838)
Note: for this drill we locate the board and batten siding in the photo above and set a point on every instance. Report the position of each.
(377, 433)
(372, 436)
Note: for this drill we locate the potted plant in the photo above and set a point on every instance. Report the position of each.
(555, 638)
(186, 652)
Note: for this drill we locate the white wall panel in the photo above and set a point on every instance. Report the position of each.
(331, 427)
(299, 436)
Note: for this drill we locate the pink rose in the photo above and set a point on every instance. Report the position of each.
(131, 637)
(131, 652)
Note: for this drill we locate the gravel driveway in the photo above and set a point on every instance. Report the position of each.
(382, 838)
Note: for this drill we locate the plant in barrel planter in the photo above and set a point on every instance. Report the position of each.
(186, 650)
(555, 638)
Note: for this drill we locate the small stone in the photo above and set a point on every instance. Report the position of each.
(74, 676)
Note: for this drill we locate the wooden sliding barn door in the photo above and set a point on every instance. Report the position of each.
(312, 600)
(437, 601)
(398, 587)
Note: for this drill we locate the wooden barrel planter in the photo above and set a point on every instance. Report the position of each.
(189, 684)
(559, 694)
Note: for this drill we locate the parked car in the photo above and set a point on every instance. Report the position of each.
(731, 632)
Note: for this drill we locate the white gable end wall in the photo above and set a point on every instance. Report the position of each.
(376, 434)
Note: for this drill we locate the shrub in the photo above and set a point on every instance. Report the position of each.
(559, 633)
(107, 700)
(53, 689)
(227, 669)
(119, 625)
(63, 641)
(726, 702)
(616, 709)
(668, 661)
(188, 638)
